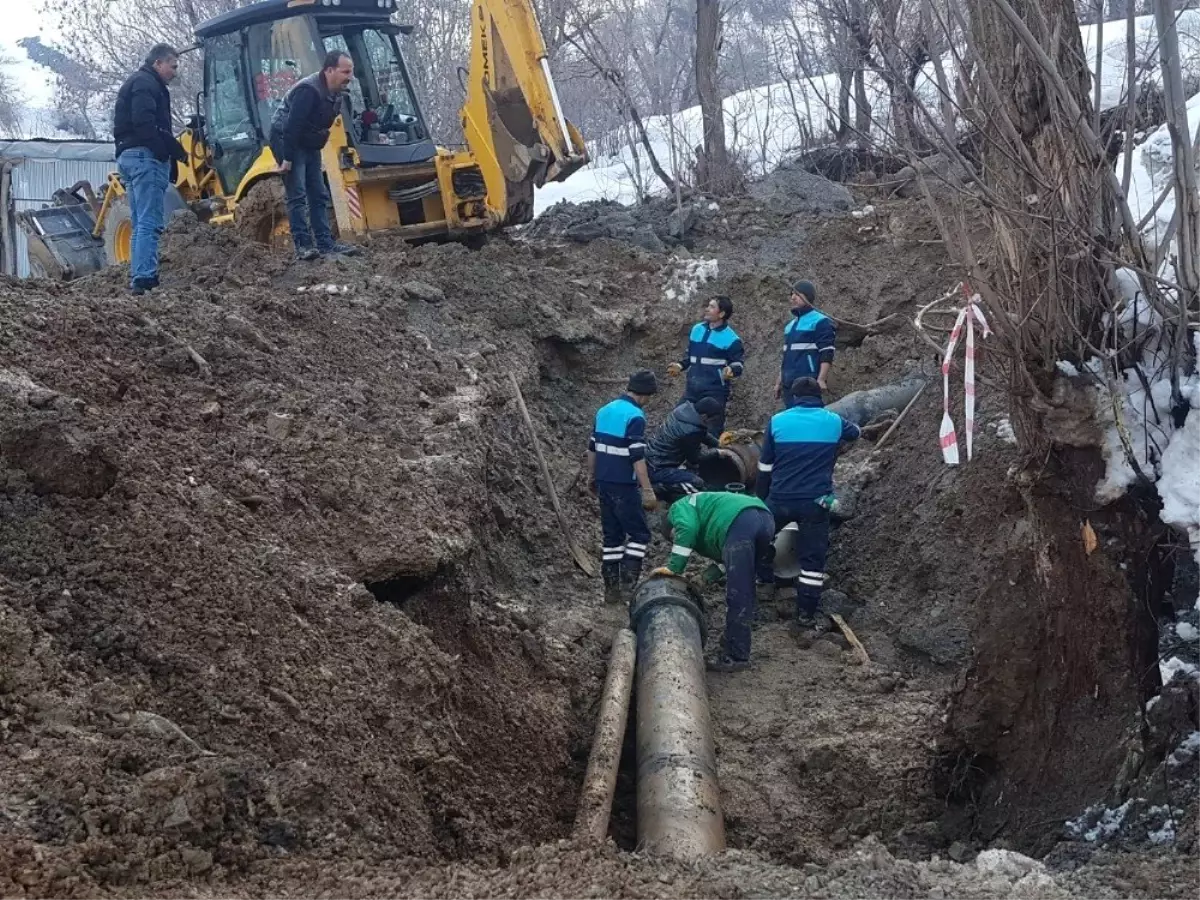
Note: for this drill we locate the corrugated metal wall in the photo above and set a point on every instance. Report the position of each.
(35, 178)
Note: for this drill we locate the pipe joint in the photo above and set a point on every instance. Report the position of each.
(658, 591)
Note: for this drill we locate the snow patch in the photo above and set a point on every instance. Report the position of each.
(1004, 431)
(1187, 631)
(1187, 750)
(1107, 822)
(1067, 368)
(1176, 666)
(685, 276)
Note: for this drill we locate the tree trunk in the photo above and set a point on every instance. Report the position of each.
(708, 42)
(1048, 273)
(1052, 686)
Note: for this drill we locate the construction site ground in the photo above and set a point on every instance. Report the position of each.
(284, 609)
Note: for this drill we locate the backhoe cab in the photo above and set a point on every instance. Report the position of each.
(383, 169)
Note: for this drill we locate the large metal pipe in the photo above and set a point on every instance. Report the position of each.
(600, 782)
(678, 796)
(860, 407)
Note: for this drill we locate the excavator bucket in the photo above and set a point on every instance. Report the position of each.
(60, 236)
(512, 118)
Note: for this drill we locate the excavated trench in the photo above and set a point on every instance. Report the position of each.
(279, 664)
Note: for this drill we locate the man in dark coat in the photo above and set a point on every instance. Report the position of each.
(299, 131)
(145, 148)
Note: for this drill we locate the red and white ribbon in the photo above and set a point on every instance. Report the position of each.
(969, 314)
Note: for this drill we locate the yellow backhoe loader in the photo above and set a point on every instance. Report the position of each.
(383, 168)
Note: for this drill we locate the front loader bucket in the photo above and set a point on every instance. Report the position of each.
(61, 244)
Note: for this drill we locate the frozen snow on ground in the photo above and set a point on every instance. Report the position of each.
(1169, 668)
(1186, 751)
(1108, 823)
(686, 276)
(1153, 171)
(1187, 631)
(763, 124)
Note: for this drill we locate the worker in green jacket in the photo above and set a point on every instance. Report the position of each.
(738, 530)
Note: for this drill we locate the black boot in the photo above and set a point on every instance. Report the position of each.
(631, 573)
(611, 572)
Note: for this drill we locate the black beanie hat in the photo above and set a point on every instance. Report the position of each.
(708, 406)
(805, 289)
(642, 382)
(806, 386)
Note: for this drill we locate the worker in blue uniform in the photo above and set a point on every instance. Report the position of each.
(619, 478)
(714, 359)
(808, 343)
(795, 476)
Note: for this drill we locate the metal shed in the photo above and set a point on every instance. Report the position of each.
(30, 172)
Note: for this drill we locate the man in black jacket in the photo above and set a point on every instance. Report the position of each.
(145, 149)
(299, 131)
(683, 439)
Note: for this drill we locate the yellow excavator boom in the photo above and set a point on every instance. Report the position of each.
(512, 118)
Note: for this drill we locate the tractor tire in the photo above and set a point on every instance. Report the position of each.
(118, 232)
(261, 216)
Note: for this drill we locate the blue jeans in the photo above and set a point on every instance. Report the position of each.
(145, 179)
(748, 548)
(812, 547)
(304, 185)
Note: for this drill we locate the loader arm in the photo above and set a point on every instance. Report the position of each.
(512, 119)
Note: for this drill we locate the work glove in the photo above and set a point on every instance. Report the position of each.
(674, 370)
(727, 373)
(726, 438)
(649, 501)
(778, 388)
(663, 570)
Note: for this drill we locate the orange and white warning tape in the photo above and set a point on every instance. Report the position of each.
(969, 314)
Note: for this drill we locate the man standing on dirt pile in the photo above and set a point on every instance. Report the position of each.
(808, 343)
(299, 131)
(684, 439)
(795, 477)
(734, 529)
(617, 475)
(146, 150)
(713, 360)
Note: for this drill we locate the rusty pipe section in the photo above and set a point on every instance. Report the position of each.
(600, 782)
(678, 795)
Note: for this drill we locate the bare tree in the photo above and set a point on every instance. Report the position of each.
(715, 160)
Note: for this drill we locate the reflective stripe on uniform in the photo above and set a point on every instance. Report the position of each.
(802, 346)
(711, 361)
(765, 467)
(680, 550)
(613, 451)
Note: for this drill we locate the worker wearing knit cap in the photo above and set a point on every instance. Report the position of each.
(808, 343)
(619, 478)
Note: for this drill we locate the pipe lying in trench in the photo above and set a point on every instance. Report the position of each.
(860, 407)
(600, 782)
(678, 796)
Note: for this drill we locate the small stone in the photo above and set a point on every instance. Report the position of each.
(279, 425)
(178, 815)
(828, 649)
(210, 410)
(959, 852)
(197, 861)
(419, 290)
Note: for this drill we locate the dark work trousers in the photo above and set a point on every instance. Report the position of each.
(812, 546)
(748, 547)
(717, 425)
(670, 484)
(626, 534)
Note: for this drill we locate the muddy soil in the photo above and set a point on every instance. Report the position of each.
(283, 610)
